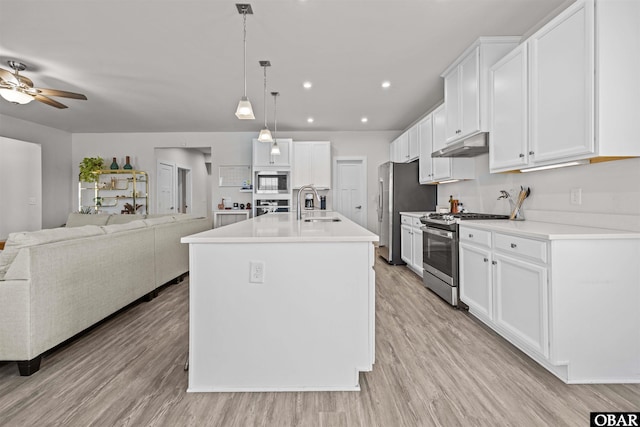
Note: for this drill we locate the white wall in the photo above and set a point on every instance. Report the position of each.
(610, 193)
(21, 188)
(59, 184)
(229, 148)
(194, 160)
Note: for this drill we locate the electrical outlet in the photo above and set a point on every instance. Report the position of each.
(256, 271)
(576, 196)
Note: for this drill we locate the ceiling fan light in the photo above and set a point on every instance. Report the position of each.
(16, 96)
(245, 110)
(275, 150)
(265, 135)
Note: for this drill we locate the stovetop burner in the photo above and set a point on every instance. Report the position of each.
(453, 218)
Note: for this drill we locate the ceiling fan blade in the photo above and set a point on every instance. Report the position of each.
(49, 101)
(8, 77)
(62, 93)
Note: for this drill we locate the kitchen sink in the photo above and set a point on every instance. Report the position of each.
(322, 219)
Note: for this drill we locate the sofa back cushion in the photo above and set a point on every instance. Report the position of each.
(19, 240)
(117, 228)
(159, 220)
(124, 219)
(77, 219)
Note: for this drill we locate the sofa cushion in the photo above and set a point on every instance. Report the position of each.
(117, 228)
(77, 219)
(183, 217)
(159, 220)
(124, 219)
(19, 240)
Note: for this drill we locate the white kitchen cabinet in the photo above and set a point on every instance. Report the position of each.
(411, 243)
(431, 132)
(553, 291)
(425, 135)
(476, 274)
(521, 301)
(399, 150)
(413, 143)
(556, 101)
(262, 154)
(503, 280)
(466, 87)
(312, 164)
(509, 142)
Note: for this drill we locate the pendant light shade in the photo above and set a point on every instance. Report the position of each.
(244, 110)
(275, 150)
(265, 134)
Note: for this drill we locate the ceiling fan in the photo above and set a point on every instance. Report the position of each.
(19, 89)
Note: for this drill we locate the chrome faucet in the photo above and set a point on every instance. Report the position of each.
(305, 187)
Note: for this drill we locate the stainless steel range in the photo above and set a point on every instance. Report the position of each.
(440, 252)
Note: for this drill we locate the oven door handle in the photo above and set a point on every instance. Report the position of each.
(441, 233)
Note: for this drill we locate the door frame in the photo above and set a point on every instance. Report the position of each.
(363, 176)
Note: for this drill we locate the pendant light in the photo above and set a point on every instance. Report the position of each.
(244, 110)
(265, 134)
(275, 150)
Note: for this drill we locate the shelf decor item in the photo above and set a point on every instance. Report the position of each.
(88, 166)
(114, 164)
(128, 164)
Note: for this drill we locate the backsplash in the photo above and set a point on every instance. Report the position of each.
(610, 193)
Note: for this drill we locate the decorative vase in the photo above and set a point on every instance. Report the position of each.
(128, 164)
(114, 164)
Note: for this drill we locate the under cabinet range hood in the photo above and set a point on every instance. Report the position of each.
(469, 147)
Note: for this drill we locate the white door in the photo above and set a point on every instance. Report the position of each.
(166, 188)
(350, 195)
(406, 244)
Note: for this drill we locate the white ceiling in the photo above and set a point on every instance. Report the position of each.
(176, 65)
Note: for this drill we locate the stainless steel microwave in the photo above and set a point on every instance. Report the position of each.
(272, 182)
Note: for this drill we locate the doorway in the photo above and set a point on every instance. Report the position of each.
(166, 188)
(350, 184)
(184, 190)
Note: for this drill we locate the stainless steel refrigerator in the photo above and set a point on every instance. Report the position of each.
(399, 191)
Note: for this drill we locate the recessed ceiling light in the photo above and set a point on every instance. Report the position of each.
(310, 120)
(307, 85)
(386, 84)
(364, 120)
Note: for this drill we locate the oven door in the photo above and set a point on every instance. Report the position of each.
(439, 253)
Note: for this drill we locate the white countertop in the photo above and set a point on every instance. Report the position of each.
(284, 227)
(550, 231)
(415, 214)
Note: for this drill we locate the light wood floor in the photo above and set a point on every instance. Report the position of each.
(434, 366)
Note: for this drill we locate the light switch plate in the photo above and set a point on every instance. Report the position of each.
(256, 272)
(576, 196)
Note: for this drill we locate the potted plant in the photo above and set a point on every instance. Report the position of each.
(88, 166)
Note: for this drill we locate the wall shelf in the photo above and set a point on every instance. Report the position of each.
(105, 195)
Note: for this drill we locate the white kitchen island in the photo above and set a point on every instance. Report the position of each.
(278, 304)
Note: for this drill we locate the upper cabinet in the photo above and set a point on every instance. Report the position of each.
(406, 147)
(555, 100)
(466, 87)
(431, 133)
(312, 164)
(262, 156)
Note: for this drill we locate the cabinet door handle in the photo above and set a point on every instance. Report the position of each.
(531, 153)
(494, 262)
(471, 236)
(486, 260)
(513, 246)
(521, 155)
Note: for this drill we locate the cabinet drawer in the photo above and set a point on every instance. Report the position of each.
(534, 249)
(472, 235)
(404, 219)
(416, 222)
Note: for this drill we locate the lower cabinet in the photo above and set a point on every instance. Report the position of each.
(411, 243)
(568, 299)
(521, 301)
(504, 281)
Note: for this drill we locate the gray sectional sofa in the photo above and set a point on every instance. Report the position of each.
(56, 283)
